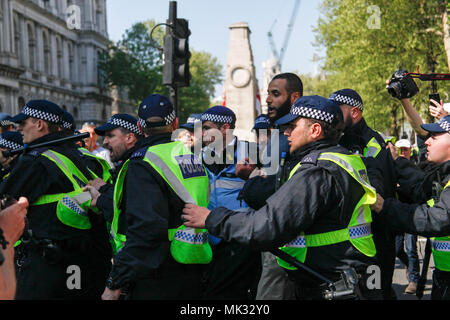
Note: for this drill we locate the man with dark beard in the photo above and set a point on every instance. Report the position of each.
(360, 138)
(283, 91)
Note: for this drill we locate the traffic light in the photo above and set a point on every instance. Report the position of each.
(176, 54)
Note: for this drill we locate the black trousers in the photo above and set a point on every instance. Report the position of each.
(71, 279)
(441, 285)
(233, 274)
(384, 239)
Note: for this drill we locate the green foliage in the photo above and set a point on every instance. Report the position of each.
(363, 58)
(135, 64)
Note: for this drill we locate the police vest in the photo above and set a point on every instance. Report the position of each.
(187, 177)
(358, 231)
(106, 175)
(372, 148)
(71, 207)
(440, 246)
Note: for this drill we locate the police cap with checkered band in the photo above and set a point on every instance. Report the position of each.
(11, 140)
(40, 109)
(119, 120)
(219, 114)
(190, 122)
(67, 121)
(156, 105)
(441, 126)
(313, 107)
(349, 97)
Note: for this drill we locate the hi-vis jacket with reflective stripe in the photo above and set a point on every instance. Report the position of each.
(72, 208)
(429, 220)
(358, 229)
(188, 179)
(440, 246)
(319, 198)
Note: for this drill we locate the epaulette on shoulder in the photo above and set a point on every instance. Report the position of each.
(139, 154)
(37, 152)
(311, 158)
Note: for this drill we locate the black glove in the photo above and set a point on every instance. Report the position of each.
(401, 85)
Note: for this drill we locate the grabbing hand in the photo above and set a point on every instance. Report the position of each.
(94, 194)
(109, 294)
(97, 183)
(378, 205)
(12, 220)
(244, 168)
(194, 216)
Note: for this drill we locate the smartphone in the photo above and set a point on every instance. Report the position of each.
(435, 97)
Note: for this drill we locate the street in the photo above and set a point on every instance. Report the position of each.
(400, 282)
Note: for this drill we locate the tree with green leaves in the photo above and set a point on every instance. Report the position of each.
(366, 42)
(135, 63)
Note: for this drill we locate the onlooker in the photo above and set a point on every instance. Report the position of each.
(91, 142)
(410, 259)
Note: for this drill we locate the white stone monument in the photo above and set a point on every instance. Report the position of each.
(240, 82)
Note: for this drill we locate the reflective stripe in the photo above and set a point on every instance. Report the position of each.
(55, 158)
(332, 237)
(229, 184)
(329, 156)
(73, 206)
(189, 235)
(440, 245)
(371, 152)
(298, 242)
(360, 231)
(176, 184)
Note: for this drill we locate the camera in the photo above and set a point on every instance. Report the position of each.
(402, 85)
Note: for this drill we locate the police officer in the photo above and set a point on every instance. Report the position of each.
(5, 123)
(158, 258)
(235, 269)
(121, 134)
(192, 138)
(431, 218)
(9, 140)
(284, 89)
(64, 237)
(360, 138)
(321, 215)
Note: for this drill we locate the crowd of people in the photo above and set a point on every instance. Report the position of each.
(160, 210)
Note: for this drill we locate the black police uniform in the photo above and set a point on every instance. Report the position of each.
(54, 247)
(303, 203)
(149, 207)
(424, 220)
(355, 139)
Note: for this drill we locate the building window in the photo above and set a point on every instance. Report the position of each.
(31, 47)
(21, 102)
(71, 62)
(47, 57)
(17, 38)
(75, 112)
(59, 57)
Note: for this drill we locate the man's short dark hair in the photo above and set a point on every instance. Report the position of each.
(293, 82)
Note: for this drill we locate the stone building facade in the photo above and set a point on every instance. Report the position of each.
(43, 56)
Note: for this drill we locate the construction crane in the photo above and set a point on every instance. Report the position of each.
(279, 56)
